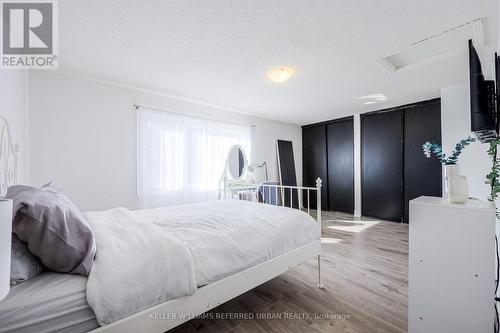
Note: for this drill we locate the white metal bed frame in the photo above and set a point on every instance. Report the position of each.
(172, 313)
(9, 157)
(167, 315)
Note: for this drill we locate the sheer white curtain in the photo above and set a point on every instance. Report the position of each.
(181, 158)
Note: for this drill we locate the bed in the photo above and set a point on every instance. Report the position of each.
(49, 302)
(234, 245)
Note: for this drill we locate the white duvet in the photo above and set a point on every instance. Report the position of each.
(136, 265)
(149, 256)
(227, 236)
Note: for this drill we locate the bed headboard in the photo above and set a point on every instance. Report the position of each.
(9, 157)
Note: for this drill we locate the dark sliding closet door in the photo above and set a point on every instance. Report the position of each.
(381, 165)
(340, 145)
(314, 163)
(422, 176)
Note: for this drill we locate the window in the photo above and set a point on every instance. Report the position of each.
(181, 158)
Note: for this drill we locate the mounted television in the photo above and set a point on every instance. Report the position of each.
(497, 82)
(482, 100)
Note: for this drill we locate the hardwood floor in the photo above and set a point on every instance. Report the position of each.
(365, 267)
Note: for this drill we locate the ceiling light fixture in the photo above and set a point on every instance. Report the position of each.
(373, 98)
(377, 97)
(280, 74)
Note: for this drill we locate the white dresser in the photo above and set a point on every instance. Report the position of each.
(451, 266)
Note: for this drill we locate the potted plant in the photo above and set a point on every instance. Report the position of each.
(451, 168)
(492, 178)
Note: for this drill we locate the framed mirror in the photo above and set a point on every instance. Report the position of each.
(236, 162)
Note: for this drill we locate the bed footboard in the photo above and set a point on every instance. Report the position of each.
(285, 190)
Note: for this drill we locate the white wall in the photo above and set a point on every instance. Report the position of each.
(13, 95)
(455, 121)
(357, 165)
(83, 137)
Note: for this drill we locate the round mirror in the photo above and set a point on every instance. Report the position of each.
(236, 162)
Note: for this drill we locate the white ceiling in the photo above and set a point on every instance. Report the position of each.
(219, 51)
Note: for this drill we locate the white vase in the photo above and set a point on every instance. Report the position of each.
(456, 187)
(449, 170)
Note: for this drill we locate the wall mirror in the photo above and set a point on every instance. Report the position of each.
(236, 162)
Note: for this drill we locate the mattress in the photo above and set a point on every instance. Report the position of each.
(50, 302)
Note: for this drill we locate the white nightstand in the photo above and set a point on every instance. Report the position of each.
(451, 266)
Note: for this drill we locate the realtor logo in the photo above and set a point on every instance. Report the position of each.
(29, 34)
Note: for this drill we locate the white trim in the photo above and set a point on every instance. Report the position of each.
(137, 108)
(150, 91)
(357, 165)
(212, 295)
(167, 94)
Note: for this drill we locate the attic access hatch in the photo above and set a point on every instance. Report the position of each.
(445, 44)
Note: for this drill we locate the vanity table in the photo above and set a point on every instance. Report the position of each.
(235, 180)
(245, 191)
